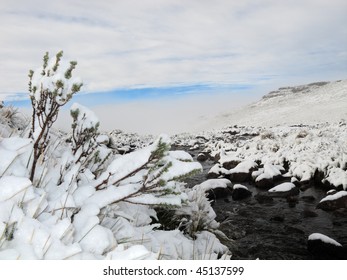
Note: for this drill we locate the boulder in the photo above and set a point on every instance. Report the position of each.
(242, 172)
(201, 157)
(214, 172)
(269, 175)
(265, 183)
(240, 192)
(240, 177)
(334, 201)
(230, 164)
(325, 248)
(284, 190)
(218, 193)
(216, 188)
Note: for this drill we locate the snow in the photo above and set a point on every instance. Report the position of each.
(214, 183)
(284, 187)
(337, 177)
(239, 186)
(324, 238)
(269, 171)
(48, 80)
(244, 167)
(68, 217)
(136, 252)
(181, 155)
(86, 118)
(76, 211)
(334, 196)
(289, 107)
(17, 188)
(316, 152)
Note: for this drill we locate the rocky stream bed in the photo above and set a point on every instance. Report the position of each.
(267, 227)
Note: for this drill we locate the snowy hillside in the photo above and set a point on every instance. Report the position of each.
(307, 104)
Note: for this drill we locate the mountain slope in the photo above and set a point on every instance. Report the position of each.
(304, 104)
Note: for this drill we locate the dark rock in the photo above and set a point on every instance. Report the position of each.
(218, 193)
(216, 158)
(240, 177)
(304, 185)
(325, 251)
(201, 157)
(333, 204)
(318, 178)
(240, 193)
(212, 175)
(230, 164)
(296, 183)
(265, 184)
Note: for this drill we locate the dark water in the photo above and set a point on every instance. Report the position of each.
(274, 228)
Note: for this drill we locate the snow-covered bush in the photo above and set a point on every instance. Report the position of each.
(88, 201)
(50, 87)
(11, 121)
(89, 148)
(116, 208)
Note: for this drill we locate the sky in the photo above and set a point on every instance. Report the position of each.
(142, 55)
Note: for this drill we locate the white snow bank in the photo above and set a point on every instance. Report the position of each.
(324, 238)
(284, 187)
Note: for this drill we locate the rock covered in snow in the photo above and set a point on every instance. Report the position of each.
(216, 188)
(284, 189)
(240, 192)
(201, 157)
(333, 201)
(324, 247)
(265, 177)
(242, 172)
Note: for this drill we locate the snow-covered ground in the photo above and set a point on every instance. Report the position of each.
(306, 104)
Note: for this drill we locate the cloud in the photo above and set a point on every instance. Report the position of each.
(149, 43)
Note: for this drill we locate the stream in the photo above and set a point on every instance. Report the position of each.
(271, 227)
